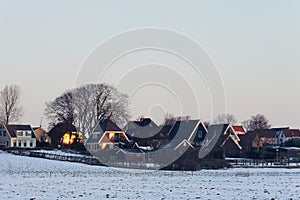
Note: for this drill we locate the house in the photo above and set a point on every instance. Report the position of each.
(146, 133)
(41, 135)
(109, 144)
(151, 137)
(65, 135)
(191, 131)
(260, 138)
(231, 145)
(264, 137)
(214, 141)
(185, 136)
(291, 134)
(16, 135)
(105, 136)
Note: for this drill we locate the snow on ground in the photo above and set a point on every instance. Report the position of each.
(36, 178)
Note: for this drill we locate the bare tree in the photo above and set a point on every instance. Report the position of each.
(86, 105)
(170, 119)
(140, 117)
(226, 119)
(61, 110)
(119, 112)
(246, 124)
(258, 121)
(10, 110)
(206, 123)
(95, 102)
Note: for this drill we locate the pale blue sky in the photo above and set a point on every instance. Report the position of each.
(255, 45)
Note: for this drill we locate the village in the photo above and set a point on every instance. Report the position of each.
(187, 144)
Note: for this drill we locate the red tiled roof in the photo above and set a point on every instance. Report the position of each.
(238, 129)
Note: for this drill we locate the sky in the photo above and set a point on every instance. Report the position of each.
(255, 46)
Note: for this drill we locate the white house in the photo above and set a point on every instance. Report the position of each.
(17, 136)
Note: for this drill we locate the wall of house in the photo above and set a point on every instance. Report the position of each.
(4, 137)
(92, 146)
(23, 140)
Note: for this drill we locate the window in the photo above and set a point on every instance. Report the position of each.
(25, 144)
(19, 133)
(94, 135)
(15, 143)
(117, 137)
(4, 133)
(28, 133)
(20, 143)
(31, 144)
(199, 134)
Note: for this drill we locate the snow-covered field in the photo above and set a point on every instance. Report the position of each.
(35, 178)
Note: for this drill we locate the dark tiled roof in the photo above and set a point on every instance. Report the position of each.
(100, 129)
(145, 122)
(214, 138)
(216, 133)
(12, 128)
(145, 136)
(182, 130)
(143, 129)
(143, 132)
(108, 125)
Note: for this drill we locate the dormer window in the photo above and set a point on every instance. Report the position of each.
(20, 133)
(28, 133)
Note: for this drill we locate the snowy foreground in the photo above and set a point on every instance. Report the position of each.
(35, 178)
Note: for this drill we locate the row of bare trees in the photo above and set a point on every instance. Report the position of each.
(86, 105)
(258, 121)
